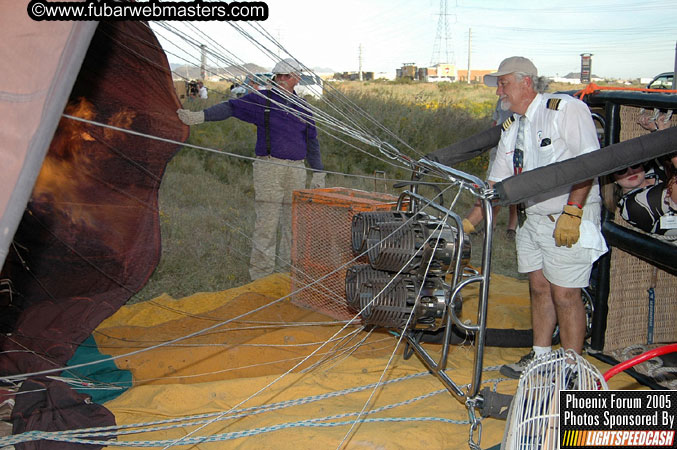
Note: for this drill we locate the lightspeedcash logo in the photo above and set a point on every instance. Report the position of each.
(618, 439)
(617, 419)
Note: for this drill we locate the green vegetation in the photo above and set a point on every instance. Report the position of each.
(206, 198)
(423, 116)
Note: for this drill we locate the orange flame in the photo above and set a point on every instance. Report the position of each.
(73, 168)
(61, 171)
(121, 119)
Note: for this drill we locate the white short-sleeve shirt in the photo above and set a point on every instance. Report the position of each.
(557, 127)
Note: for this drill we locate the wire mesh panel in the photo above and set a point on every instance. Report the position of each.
(322, 244)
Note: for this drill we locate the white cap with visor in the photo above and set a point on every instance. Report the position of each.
(287, 66)
(511, 65)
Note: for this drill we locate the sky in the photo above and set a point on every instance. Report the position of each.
(627, 38)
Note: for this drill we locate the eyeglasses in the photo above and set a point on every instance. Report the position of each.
(623, 171)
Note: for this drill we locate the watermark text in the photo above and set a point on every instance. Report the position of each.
(147, 10)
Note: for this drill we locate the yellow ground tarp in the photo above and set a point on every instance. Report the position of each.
(262, 359)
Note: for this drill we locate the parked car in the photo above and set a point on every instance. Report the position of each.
(256, 82)
(662, 81)
(310, 84)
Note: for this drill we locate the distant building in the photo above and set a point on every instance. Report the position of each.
(408, 70)
(439, 72)
(476, 75)
(353, 76)
(446, 71)
(574, 78)
(385, 75)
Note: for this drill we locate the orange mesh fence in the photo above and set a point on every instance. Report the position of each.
(592, 88)
(321, 235)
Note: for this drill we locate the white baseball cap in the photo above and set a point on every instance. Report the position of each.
(286, 66)
(511, 65)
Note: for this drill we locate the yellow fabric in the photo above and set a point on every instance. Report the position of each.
(567, 228)
(235, 366)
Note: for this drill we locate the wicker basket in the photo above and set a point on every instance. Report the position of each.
(633, 319)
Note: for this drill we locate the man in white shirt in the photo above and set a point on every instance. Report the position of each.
(559, 234)
(202, 90)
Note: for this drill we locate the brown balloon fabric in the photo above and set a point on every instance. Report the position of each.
(51, 405)
(90, 236)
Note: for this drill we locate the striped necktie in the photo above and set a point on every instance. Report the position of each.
(518, 164)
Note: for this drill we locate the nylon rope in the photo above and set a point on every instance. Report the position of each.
(343, 97)
(280, 377)
(79, 435)
(150, 137)
(359, 134)
(11, 378)
(243, 412)
(406, 326)
(363, 136)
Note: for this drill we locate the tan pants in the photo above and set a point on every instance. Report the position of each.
(273, 187)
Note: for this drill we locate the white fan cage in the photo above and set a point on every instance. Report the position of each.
(533, 419)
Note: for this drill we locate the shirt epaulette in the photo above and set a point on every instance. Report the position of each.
(553, 103)
(509, 121)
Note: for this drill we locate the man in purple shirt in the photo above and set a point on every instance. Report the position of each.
(285, 137)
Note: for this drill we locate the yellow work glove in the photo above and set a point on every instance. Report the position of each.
(567, 227)
(468, 227)
(190, 117)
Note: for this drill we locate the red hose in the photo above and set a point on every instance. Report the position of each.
(639, 359)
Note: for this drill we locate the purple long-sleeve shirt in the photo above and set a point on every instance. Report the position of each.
(291, 137)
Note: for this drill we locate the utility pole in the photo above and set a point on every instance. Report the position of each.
(360, 62)
(674, 73)
(278, 42)
(203, 62)
(469, 47)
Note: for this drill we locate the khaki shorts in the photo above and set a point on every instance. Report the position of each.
(562, 266)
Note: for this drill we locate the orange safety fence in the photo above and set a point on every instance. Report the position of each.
(592, 88)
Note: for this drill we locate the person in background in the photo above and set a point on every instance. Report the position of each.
(558, 236)
(646, 193)
(202, 90)
(285, 137)
(192, 89)
(475, 215)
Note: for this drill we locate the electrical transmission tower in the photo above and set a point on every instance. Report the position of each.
(442, 39)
